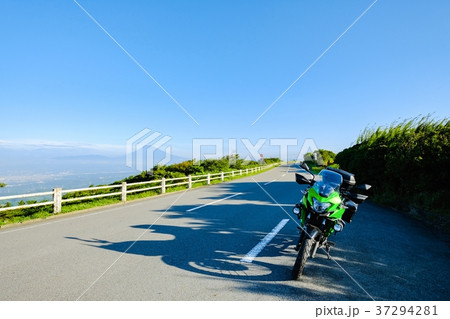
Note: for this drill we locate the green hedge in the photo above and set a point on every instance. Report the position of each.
(407, 164)
(224, 164)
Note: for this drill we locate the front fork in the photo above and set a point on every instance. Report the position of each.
(299, 210)
(314, 249)
(314, 233)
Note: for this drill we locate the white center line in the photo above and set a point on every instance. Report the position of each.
(216, 201)
(270, 182)
(263, 243)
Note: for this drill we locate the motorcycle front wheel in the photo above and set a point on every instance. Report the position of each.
(302, 256)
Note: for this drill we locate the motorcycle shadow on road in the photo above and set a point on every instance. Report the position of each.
(211, 241)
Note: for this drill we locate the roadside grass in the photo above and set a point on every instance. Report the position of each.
(27, 214)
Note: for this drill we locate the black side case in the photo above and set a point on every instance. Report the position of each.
(350, 211)
(348, 178)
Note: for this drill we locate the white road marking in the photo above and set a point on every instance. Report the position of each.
(263, 243)
(216, 201)
(270, 182)
(283, 175)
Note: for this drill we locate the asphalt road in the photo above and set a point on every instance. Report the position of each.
(190, 245)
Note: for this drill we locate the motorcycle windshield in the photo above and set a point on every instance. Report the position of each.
(328, 183)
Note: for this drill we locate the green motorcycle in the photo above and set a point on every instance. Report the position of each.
(329, 202)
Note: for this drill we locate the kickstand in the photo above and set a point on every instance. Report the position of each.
(328, 248)
(328, 252)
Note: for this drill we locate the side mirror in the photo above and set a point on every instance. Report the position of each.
(304, 178)
(304, 166)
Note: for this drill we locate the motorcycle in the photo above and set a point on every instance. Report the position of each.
(329, 202)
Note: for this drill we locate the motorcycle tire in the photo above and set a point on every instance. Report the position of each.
(302, 256)
(300, 241)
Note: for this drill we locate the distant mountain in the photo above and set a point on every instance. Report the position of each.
(91, 157)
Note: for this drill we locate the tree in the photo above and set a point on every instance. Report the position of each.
(327, 157)
(320, 157)
(2, 185)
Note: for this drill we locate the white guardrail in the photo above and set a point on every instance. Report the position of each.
(123, 190)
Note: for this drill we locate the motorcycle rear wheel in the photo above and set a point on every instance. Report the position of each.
(302, 256)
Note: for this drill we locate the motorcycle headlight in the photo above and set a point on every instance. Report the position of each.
(320, 207)
(337, 227)
(296, 210)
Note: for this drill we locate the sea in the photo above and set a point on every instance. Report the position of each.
(40, 178)
(43, 169)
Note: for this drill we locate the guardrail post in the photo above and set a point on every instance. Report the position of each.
(208, 179)
(57, 200)
(189, 181)
(232, 173)
(246, 171)
(124, 192)
(240, 172)
(222, 176)
(163, 185)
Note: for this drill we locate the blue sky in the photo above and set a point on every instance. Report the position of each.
(64, 81)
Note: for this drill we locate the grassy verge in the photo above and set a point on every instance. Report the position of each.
(26, 214)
